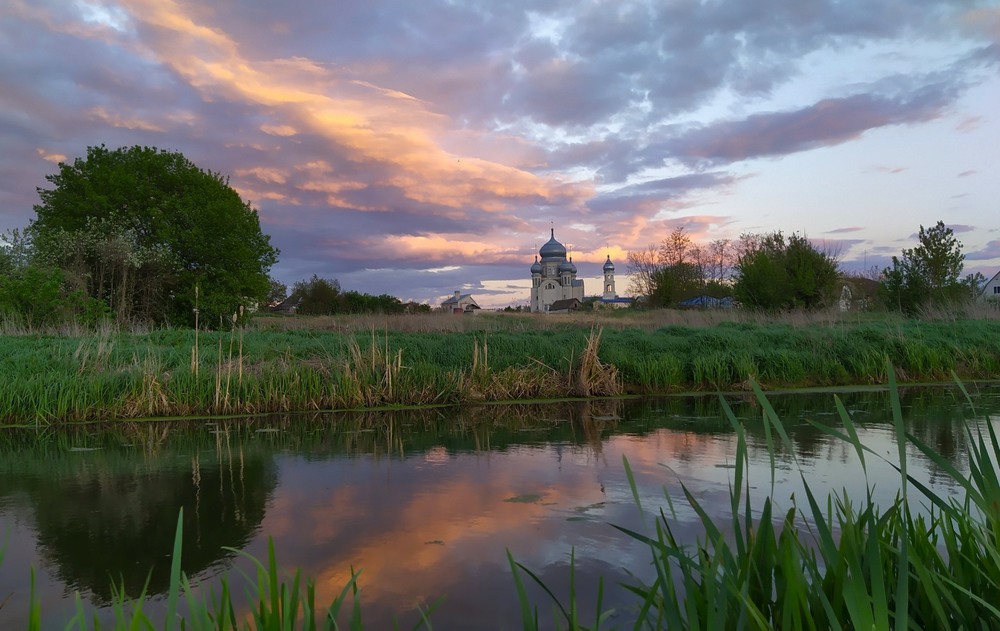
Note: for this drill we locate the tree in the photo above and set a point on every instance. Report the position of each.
(675, 283)
(277, 292)
(772, 273)
(142, 228)
(673, 271)
(319, 296)
(928, 274)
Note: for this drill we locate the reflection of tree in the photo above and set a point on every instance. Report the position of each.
(104, 516)
(935, 415)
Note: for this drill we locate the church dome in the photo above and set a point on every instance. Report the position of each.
(567, 266)
(536, 267)
(552, 248)
(608, 265)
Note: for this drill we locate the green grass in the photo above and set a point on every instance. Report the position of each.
(834, 563)
(51, 378)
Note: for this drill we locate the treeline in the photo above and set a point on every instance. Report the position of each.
(773, 272)
(135, 235)
(321, 296)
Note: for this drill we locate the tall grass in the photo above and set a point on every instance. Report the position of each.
(114, 374)
(834, 563)
(273, 602)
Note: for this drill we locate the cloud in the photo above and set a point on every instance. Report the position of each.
(828, 122)
(845, 230)
(448, 134)
(990, 252)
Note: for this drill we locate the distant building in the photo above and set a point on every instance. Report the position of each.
(707, 302)
(992, 289)
(553, 278)
(460, 303)
(610, 298)
(289, 305)
(565, 305)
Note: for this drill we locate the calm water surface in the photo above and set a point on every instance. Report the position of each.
(424, 503)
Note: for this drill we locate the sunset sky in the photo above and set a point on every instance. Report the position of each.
(417, 148)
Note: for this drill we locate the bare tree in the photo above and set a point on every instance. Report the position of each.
(719, 260)
(642, 267)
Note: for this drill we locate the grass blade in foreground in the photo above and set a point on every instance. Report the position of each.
(854, 565)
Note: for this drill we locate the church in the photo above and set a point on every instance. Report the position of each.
(553, 279)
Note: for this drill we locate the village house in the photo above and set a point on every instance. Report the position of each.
(460, 303)
(992, 289)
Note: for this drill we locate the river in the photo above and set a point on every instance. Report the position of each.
(426, 502)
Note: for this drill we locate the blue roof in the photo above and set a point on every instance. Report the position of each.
(552, 248)
(707, 301)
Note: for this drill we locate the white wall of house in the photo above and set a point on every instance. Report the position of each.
(992, 289)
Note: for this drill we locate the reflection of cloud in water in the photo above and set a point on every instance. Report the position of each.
(467, 507)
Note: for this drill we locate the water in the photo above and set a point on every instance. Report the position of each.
(424, 503)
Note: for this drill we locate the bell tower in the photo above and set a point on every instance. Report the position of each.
(609, 279)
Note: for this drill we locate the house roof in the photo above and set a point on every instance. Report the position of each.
(455, 301)
(564, 304)
(290, 303)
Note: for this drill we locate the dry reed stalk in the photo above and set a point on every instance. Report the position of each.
(593, 377)
(151, 398)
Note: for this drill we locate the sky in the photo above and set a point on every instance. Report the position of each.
(419, 148)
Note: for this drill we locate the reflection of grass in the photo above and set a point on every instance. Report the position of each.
(840, 564)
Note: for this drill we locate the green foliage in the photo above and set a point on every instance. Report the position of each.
(140, 228)
(672, 284)
(773, 273)
(320, 296)
(35, 297)
(929, 274)
(277, 293)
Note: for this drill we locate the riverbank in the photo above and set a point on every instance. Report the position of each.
(272, 367)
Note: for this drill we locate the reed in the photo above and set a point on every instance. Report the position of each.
(120, 374)
(838, 563)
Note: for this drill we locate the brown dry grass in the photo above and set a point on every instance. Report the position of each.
(500, 321)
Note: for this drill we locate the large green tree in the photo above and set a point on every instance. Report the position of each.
(773, 272)
(929, 274)
(142, 228)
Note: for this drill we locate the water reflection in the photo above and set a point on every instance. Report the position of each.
(424, 501)
(102, 509)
